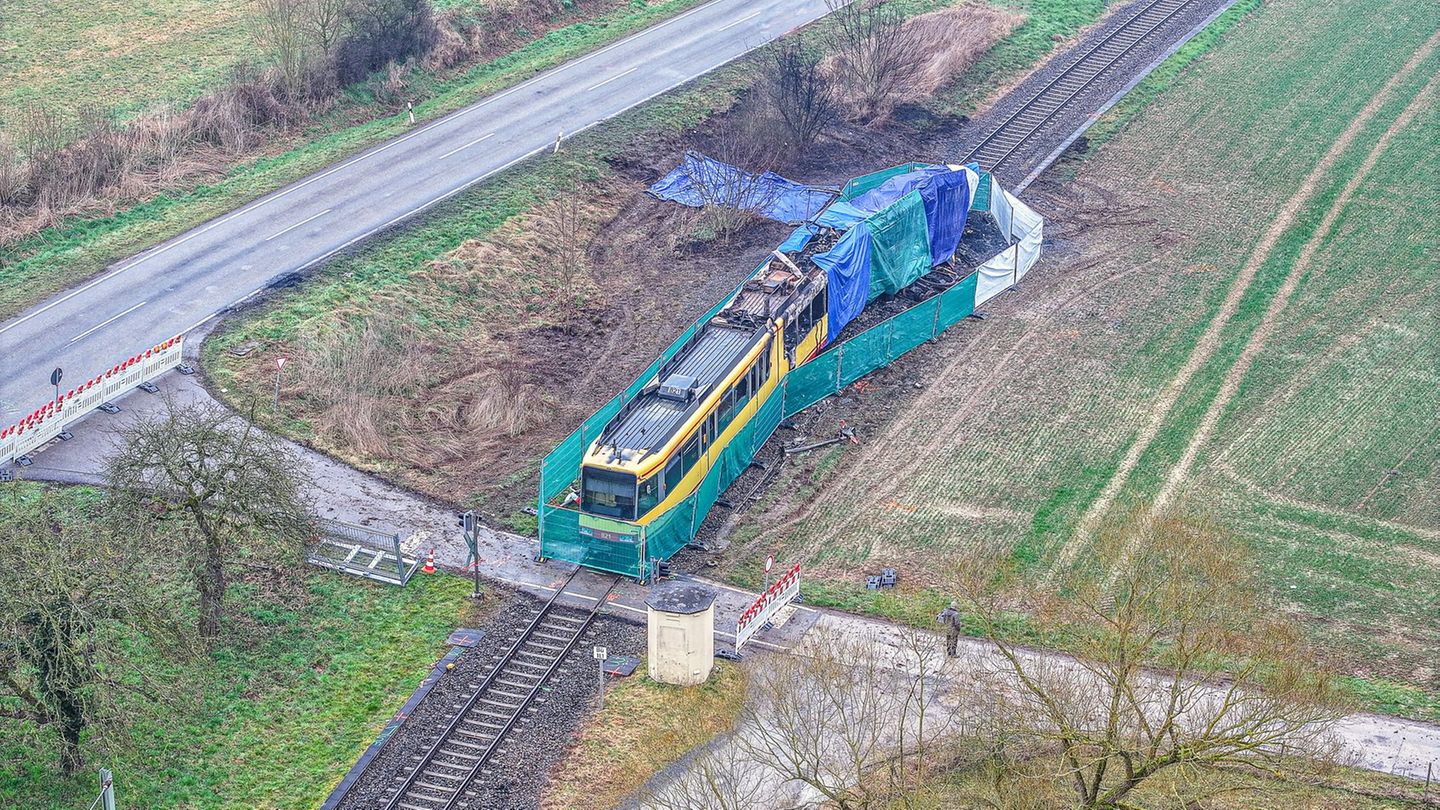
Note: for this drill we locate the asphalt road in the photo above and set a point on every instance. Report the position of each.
(175, 286)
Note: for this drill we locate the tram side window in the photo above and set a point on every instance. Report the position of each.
(727, 407)
(674, 471)
(649, 496)
(690, 454)
(817, 308)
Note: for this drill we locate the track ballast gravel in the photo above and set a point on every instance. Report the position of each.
(515, 776)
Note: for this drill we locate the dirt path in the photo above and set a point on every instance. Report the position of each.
(1209, 342)
(1237, 372)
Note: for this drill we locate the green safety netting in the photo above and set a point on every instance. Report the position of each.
(836, 368)
(864, 183)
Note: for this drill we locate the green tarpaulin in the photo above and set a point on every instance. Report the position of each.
(899, 245)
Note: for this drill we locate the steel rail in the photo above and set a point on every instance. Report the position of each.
(480, 692)
(1083, 61)
(534, 690)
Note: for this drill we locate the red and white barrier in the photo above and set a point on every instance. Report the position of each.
(52, 418)
(777, 596)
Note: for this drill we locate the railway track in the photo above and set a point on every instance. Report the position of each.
(1055, 97)
(441, 777)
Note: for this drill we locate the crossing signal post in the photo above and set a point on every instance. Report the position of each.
(469, 524)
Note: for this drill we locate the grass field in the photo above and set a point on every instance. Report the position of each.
(273, 717)
(120, 54)
(1289, 389)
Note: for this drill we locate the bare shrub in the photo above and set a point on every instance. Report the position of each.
(383, 31)
(872, 56)
(731, 199)
(351, 372)
(796, 91)
(281, 29)
(504, 403)
(881, 60)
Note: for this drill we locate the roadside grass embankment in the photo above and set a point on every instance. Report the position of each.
(62, 256)
(1319, 460)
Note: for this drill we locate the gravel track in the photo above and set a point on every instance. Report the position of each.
(516, 775)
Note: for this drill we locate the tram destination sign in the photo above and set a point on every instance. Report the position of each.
(759, 614)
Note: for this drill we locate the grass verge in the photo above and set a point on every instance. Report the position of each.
(273, 718)
(643, 728)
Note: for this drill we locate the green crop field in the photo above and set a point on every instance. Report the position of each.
(120, 54)
(1238, 314)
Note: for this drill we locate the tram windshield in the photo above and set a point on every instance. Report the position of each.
(608, 493)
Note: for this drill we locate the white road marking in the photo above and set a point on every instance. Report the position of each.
(728, 26)
(108, 321)
(466, 146)
(298, 224)
(612, 78)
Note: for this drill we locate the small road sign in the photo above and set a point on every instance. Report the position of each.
(601, 653)
(769, 563)
(56, 375)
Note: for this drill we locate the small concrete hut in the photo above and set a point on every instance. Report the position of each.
(681, 620)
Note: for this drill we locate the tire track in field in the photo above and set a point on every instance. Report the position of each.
(1209, 342)
(1230, 385)
(879, 454)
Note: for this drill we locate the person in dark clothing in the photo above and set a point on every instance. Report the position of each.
(950, 618)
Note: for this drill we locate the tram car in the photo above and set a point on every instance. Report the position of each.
(915, 231)
(655, 452)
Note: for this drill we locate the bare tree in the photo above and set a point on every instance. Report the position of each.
(325, 23)
(1176, 665)
(281, 30)
(855, 718)
(733, 198)
(797, 91)
(230, 487)
(565, 232)
(73, 589)
(875, 55)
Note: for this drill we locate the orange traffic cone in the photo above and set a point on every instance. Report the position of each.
(429, 563)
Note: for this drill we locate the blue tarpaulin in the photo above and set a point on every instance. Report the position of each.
(841, 216)
(847, 271)
(947, 200)
(700, 180)
(798, 239)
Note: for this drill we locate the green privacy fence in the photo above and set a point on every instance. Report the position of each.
(838, 367)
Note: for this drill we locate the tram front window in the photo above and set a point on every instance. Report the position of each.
(608, 493)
